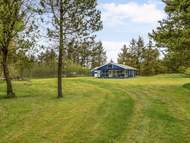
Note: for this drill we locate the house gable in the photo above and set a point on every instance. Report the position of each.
(109, 66)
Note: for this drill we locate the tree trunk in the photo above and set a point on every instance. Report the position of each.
(10, 92)
(60, 60)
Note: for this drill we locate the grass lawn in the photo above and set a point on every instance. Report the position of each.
(137, 110)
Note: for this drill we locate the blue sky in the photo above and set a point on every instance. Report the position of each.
(126, 19)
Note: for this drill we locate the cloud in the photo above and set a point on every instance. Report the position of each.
(147, 13)
(123, 21)
(113, 48)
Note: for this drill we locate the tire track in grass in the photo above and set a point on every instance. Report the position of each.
(114, 120)
(179, 109)
(115, 113)
(138, 128)
(172, 103)
(156, 122)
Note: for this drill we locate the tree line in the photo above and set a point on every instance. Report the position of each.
(144, 57)
(78, 61)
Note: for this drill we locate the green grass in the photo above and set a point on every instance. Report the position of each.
(137, 110)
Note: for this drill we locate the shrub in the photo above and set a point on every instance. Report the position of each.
(72, 69)
(187, 72)
(182, 69)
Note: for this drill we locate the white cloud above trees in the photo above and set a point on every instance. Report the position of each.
(115, 14)
(123, 21)
(113, 48)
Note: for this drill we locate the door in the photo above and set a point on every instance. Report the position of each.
(110, 73)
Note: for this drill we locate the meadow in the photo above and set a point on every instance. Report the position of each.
(136, 110)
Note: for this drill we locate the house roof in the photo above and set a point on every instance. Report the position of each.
(119, 65)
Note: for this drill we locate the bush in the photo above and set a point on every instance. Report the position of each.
(72, 69)
(182, 69)
(187, 72)
(43, 70)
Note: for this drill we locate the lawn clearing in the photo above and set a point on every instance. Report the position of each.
(137, 110)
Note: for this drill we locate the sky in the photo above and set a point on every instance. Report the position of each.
(127, 19)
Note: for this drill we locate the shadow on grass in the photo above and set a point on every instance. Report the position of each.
(186, 86)
(4, 97)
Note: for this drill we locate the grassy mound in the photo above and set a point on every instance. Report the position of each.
(187, 86)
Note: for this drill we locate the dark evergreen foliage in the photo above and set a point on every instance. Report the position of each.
(144, 58)
(173, 33)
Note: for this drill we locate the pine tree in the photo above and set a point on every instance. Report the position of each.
(150, 58)
(125, 57)
(173, 33)
(98, 55)
(132, 55)
(144, 58)
(71, 20)
(139, 50)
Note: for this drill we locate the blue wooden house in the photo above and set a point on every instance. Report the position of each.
(113, 70)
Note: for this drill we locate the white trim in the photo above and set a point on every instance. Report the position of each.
(119, 65)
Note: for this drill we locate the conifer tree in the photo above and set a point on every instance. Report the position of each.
(71, 19)
(173, 33)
